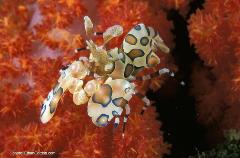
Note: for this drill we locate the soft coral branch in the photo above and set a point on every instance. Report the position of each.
(215, 33)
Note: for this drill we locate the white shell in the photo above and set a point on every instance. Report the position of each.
(80, 97)
(112, 32)
(76, 85)
(88, 25)
(47, 111)
(66, 82)
(78, 70)
(120, 88)
(140, 61)
(91, 87)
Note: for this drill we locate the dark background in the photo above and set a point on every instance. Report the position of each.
(176, 107)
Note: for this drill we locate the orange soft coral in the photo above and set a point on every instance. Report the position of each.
(130, 13)
(181, 5)
(12, 95)
(60, 13)
(50, 137)
(142, 138)
(215, 33)
(31, 54)
(15, 17)
(57, 16)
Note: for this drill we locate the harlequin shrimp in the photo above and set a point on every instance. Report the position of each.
(113, 72)
(138, 51)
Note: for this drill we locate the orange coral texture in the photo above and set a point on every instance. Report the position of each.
(37, 39)
(180, 5)
(215, 32)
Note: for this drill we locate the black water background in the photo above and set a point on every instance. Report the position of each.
(175, 105)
